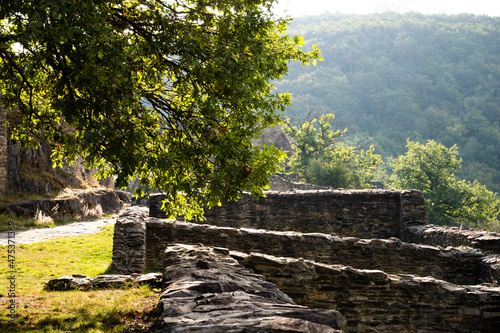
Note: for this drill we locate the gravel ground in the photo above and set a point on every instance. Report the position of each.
(72, 229)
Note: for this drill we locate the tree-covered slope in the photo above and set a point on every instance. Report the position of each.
(397, 76)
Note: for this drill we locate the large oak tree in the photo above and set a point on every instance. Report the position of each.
(172, 91)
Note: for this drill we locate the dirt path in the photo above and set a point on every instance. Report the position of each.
(72, 229)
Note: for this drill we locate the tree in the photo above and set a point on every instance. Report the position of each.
(431, 168)
(396, 76)
(172, 91)
(320, 158)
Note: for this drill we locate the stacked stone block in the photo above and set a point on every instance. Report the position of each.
(374, 301)
(457, 265)
(360, 213)
(454, 236)
(129, 242)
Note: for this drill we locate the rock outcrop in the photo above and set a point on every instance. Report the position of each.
(87, 203)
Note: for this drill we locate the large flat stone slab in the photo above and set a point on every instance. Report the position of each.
(205, 290)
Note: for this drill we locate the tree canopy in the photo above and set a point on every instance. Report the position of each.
(170, 91)
(432, 168)
(320, 157)
(397, 76)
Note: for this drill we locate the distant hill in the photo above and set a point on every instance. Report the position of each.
(397, 76)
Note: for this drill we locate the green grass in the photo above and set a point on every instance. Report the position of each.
(112, 310)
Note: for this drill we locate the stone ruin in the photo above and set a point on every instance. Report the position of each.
(352, 261)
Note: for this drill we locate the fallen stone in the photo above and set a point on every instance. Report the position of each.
(107, 281)
(205, 290)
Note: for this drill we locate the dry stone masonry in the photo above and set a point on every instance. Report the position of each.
(457, 265)
(360, 213)
(356, 252)
(374, 301)
(129, 242)
(454, 236)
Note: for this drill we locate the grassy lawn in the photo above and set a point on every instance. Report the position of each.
(112, 310)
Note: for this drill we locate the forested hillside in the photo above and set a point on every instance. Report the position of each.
(396, 76)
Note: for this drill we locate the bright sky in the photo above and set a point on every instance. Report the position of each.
(297, 8)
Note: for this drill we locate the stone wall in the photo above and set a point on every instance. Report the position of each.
(374, 301)
(129, 242)
(360, 213)
(458, 265)
(454, 236)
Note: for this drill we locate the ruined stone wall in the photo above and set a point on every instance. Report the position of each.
(454, 236)
(360, 213)
(457, 265)
(129, 242)
(374, 301)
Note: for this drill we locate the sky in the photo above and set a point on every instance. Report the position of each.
(296, 8)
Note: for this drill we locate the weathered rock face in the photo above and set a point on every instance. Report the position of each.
(30, 170)
(81, 205)
(360, 213)
(276, 137)
(205, 290)
(373, 301)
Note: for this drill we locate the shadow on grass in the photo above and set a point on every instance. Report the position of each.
(82, 320)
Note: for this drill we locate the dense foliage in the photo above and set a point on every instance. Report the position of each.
(432, 168)
(398, 76)
(319, 157)
(171, 91)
